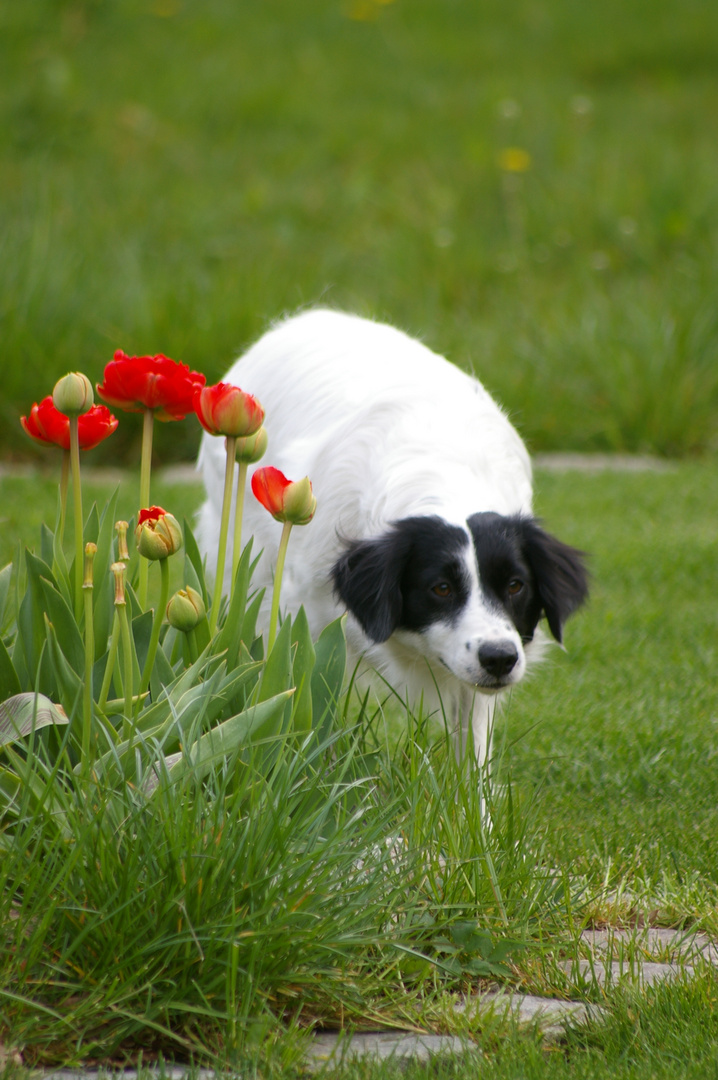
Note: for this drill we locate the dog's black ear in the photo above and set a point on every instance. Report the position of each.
(367, 578)
(559, 572)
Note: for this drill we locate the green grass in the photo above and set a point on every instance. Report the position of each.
(177, 173)
(608, 749)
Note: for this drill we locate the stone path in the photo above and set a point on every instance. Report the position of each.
(607, 958)
(610, 957)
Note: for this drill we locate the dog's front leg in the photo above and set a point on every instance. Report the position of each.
(472, 725)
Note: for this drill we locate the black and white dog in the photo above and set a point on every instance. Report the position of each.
(423, 531)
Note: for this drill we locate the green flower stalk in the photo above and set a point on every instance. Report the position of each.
(64, 485)
(71, 396)
(118, 570)
(226, 410)
(123, 556)
(249, 450)
(87, 589)
(158, 536)
(145, 471)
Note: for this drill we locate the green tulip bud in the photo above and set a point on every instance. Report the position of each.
(252, 447)
(186, 609)
(73, 394)
(158, 533)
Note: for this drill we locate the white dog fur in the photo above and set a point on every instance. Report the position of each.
(389, 432)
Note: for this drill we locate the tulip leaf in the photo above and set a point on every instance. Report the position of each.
(277, 674)
(259, 722)
(9, 681)
(250, 622)
(302, 667)
(232, 632)
(24, 713)
(328, 674)
(141, 633)
(92, 526)
(193, 557)
(65, 625)
(162, 674)
(30, 625)
(47, 544)
(5, 579)
(68, 682)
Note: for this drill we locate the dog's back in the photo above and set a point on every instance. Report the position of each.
(382, 426)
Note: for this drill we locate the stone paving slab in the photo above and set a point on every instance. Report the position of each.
(637, 972)
(335, 1047)
(670, 944)
(550, 1015)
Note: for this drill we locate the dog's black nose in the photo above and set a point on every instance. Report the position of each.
(498, 657)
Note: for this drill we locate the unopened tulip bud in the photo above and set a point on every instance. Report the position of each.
(118, 571)
(253, 447)
(299, 502)
(90, 552)
(73, 394)
(158, 533)
(289, 501)
(224, 409)
(123, 554)
(186, 609)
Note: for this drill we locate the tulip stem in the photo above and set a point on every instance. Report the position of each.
(238, 515)
(223, 532)
(89, 659)
(110, 666)
(156, 626)
(279, 570)
(145, 470)
(64, 484)
(127, 725)
(192, 645)
(77, 501)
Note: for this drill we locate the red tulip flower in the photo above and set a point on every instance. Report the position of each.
(290, 501)
(46, 425)
(224, 409)
(135, 383)
(158, 387)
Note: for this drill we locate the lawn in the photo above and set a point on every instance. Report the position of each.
(531, 188)
(609, 753)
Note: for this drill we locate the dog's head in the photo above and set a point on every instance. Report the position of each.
(466, 597)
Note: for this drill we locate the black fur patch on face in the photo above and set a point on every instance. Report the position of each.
(528, 572)
(410, 577)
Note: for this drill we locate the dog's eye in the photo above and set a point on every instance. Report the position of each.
(442, 588)
(514, 587)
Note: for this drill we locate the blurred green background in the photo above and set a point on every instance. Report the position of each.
(530, 187)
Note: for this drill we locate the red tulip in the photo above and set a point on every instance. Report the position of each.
(287, 500)
(46, 425)
(224, 409)
(135, 383)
